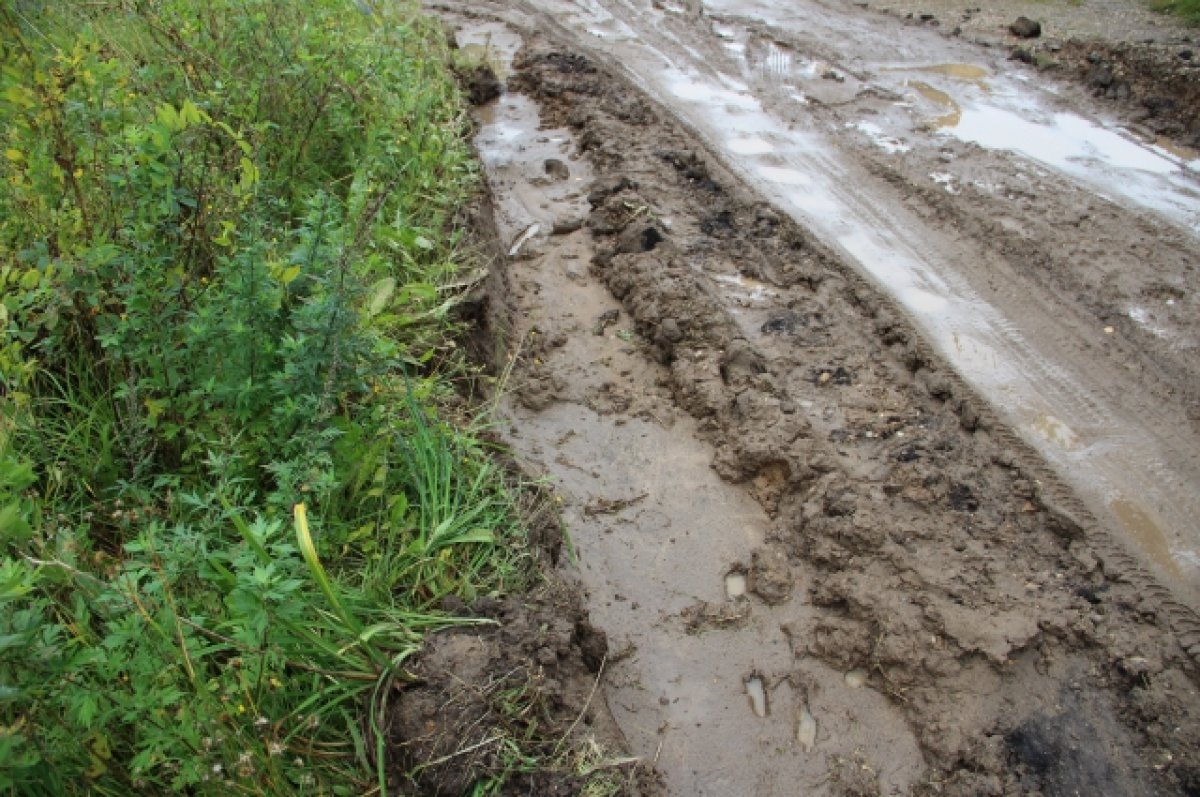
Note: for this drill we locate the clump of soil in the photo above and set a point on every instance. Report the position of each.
(526, 676)
(950, 564)
(1158, 87)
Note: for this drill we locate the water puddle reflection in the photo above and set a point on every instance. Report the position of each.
(806, 730)
(1149, 536)
(1055, 431)
(735, 584)
(939, 98)
(756, 691)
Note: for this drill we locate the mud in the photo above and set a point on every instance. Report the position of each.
(824, 561)
(1140, 63)
(528, 670)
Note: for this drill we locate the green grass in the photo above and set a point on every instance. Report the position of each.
(1187, 9)
(229, 505)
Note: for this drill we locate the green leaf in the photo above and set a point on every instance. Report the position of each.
(381, 293)
(14, 528)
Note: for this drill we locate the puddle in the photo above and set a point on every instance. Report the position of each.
(735, 584)
(1055, 431)
(1145, 319)
(747, 290)
(888, 144)
(750, 146)
(1148, 534)
(784, 175)
(968, 73)
(1186, 154)
(806, 730)
(940, 98)
(756, 691)
(1062, 140)
(945, 180)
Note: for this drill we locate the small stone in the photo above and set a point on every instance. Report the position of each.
(1022, 55)
(1025, 28)
(557, 169)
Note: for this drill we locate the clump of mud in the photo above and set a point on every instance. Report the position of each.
(949, 564)
(527, 678)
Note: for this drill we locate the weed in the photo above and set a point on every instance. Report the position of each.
(1189, 10)
(227, 295)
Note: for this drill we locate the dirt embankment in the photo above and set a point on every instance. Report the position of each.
(1026, 655)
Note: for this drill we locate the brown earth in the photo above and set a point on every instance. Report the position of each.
(912, 540)
(1145, 64)
(940, 566)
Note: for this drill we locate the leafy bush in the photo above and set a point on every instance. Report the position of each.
(226, 288)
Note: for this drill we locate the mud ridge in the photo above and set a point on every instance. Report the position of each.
(949, 555)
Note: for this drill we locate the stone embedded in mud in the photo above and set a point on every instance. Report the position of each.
(557, 169)
(1021, 54)
(1025, 28)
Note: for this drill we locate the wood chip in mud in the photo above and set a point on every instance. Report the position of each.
(611, 506)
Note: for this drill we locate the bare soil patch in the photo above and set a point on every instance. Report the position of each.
(943, 562)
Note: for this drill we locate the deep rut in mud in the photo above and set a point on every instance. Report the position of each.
(823, 564)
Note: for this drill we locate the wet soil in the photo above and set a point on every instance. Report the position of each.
(1142, 63)
(826, 562)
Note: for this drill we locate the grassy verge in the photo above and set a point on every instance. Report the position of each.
(1187, 9)
(228, 509)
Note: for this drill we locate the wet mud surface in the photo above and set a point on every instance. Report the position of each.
(828, 556)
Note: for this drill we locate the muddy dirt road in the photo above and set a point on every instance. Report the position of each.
(866, 365)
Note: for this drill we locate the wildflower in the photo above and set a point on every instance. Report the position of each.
(217, 768)
(274, 748)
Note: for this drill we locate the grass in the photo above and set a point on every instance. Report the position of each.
(1189, 10)
(230, 504)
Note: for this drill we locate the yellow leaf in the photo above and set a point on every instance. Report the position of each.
(288, 275)
(14, 155)
(30, 279)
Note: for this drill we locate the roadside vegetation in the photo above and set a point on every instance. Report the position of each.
(1188, 9)
(229, 505)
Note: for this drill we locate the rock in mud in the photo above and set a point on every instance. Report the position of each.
(770, 576)
(556, 169)
(1021, 54)
(1025, 28)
